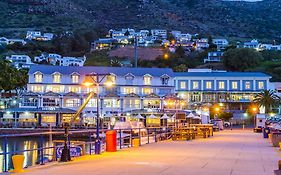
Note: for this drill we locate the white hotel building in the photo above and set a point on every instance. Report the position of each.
(56, 92)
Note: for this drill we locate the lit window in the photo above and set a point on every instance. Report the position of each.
(208, 85)
(111, 79)
(75, 78)
(183, 85)
(261, 85)
(247, 85)
(38, 78)
(56, 78)
(147, 90)
(74, 89)
(234, 85)
(221, 84)
(72, 102)
(165, 80)
(56, 89)
(147, 80)
(128, 90)
(195, 85)
(37, 88)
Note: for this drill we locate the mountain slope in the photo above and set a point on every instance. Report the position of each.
(216, 17)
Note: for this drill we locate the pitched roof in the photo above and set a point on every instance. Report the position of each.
(119, 71)
(221, 74)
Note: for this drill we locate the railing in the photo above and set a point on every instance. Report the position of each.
(86, 140)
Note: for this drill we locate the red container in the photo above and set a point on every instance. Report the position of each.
(111, 141)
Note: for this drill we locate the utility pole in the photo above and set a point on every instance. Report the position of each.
(136, 50)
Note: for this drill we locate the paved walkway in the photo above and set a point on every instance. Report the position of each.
(227, 153)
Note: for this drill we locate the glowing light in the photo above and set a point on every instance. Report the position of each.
(255, 109)
(220, 104)
(88, 84)
(271, 114)
(166, 56)
(217, 109)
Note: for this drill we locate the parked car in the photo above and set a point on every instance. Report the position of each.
(226, 124)
(218, 124)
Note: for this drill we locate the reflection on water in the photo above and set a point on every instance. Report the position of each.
(32, 156)
(25, 143)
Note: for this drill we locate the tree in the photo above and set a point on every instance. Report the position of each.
(180, 68)
(180, 52)
(241, 59)
(267, 99)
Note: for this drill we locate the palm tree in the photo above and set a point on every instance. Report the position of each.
(267, 99)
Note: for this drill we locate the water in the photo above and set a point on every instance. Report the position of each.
(245, 0)
(31, 157)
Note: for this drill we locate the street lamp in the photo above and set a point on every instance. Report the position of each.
(96, 79)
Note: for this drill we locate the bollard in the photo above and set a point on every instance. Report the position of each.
(18, 163)
(136, 142)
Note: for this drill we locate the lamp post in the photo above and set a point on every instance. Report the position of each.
(97, 79)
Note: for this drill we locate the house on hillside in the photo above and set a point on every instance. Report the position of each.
(221, 43)
(103, 44)
(20, 61)
(37, 35)
(7, 41)
(254, 44)
(159, 33)
(269, 47)
(214, 57)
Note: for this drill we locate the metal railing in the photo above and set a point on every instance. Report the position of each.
(83, 138)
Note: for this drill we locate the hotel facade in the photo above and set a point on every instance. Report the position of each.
(233, 90)
(55, 93)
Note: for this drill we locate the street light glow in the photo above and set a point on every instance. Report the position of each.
(88, 84)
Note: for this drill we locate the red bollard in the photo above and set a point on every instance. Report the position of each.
(111, 141)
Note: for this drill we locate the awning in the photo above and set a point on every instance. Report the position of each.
(152, 116)
(165, 116)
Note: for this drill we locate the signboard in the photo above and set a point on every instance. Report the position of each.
(75, 151)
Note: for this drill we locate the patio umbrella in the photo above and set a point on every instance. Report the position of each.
(139, 116)
(152, 116)
(165, 116)
(174, 116)
(197, 117)
(190, 115)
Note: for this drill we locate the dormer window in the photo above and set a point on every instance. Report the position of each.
(165, 79)
(129, 78)
(75, 78)
(56, 78)
(147, 80)
(111, 78)
(38, 77)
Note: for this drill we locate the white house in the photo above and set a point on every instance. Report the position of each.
(20, 61)
(7, 41)
(254, 44)
(221, 43)
(56, 59)
(184, 37)
(160, 33)
(269, 47)
(32, 35)
(214, 57)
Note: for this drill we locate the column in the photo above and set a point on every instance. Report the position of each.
(39, 115)
(61, 102)
(101, 106)
(162, 103)
(141, 103)
(57, 119)
(122, 104)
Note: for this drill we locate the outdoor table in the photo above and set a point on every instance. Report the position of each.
(185, 133)
(209, 126)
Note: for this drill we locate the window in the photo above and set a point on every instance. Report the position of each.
(221, 85)
(131, 103)
(234, 85)
(38, 77)
(165, 80)
(129, 90)
(55, 88)
(129, 79)
(56, 78)
(208, 85)
(247, 85)
(182, 85)
(30, 101)
(51, 102)
(111, 79)
(92, 103)
(74, 102)
(147, 80)
(147, 90)
(74, 89)
(37, 89)
(195, 85)
(111, 103)
(75, 78)
(261, 85)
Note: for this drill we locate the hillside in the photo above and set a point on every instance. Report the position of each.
(216, 17)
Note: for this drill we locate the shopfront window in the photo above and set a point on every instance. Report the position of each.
(132, 103)
(30, 101)
(55, 102)
(72, 102)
